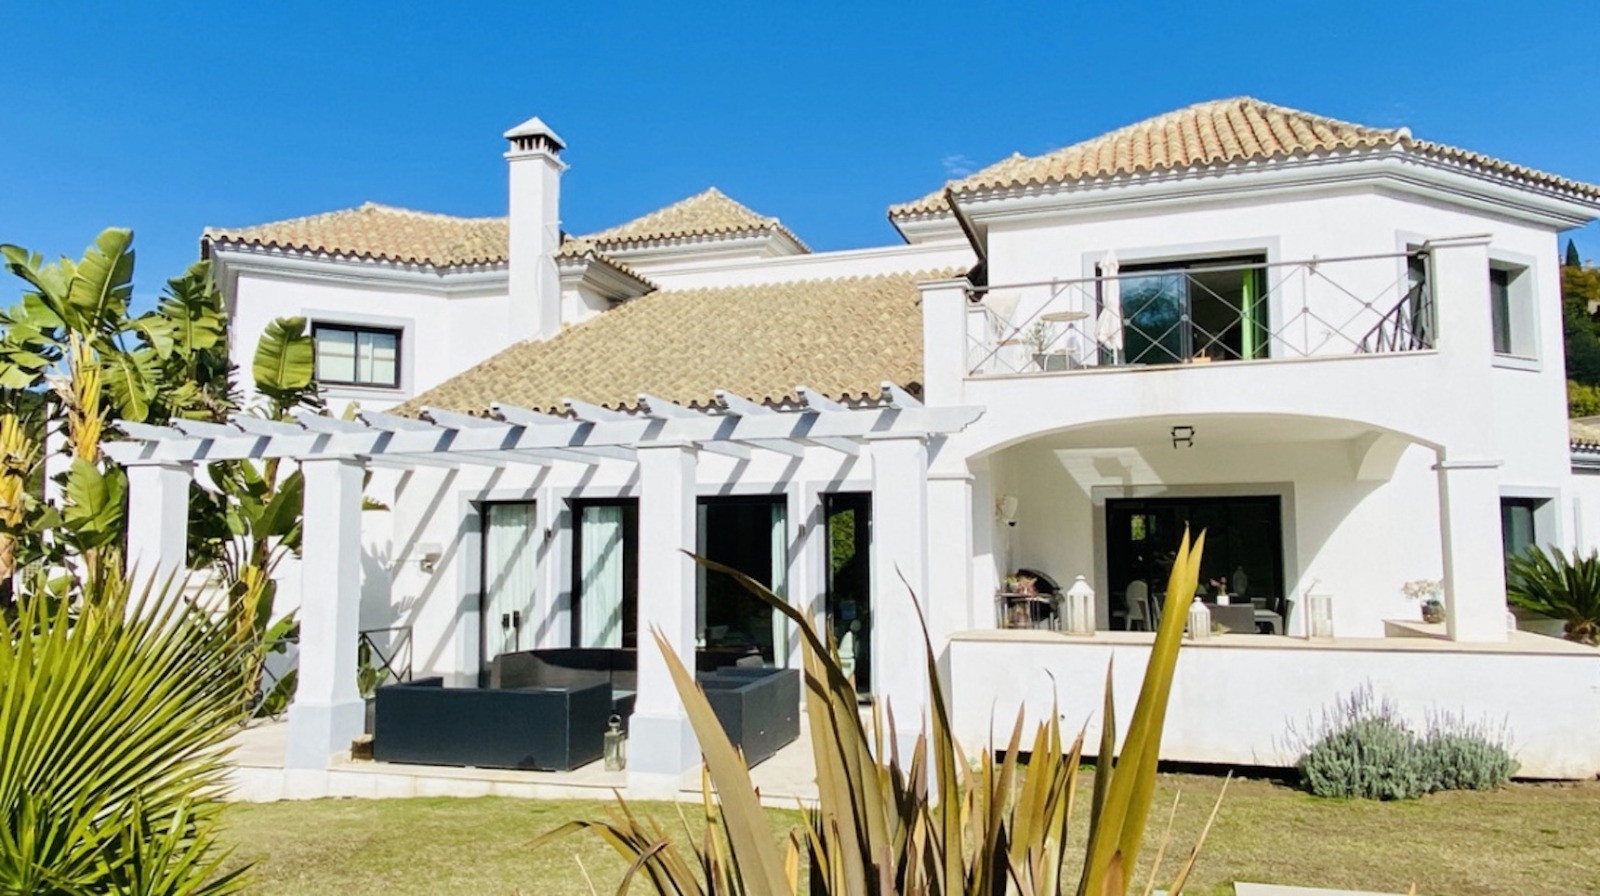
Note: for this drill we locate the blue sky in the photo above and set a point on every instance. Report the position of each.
(170, 117)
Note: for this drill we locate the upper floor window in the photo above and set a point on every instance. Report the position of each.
(1511, 310)
(350, 355)
(1211, 309)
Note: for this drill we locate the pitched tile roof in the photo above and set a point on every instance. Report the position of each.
(388, 233)
(710, 213)
(382, 232)
(1213, 133)
(842, 337)
(1584, 435)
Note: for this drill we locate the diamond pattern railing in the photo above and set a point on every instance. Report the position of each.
(1199, 314)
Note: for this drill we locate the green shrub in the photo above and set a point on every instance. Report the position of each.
(1464, 756)
(1361, 747)
(1375, 758)
(1566, 588)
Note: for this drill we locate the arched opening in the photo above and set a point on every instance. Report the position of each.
(1292, 505)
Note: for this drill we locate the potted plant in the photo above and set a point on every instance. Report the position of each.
(1427, 593)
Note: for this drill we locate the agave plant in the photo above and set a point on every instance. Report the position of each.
(1556, 585)
(113, 718)
(928, 823)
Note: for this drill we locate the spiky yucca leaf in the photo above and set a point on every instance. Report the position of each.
(112, 727)
(879, 828)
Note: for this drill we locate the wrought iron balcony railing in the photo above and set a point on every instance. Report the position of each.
(1242, 309)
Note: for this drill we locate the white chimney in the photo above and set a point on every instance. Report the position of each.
(534, 222)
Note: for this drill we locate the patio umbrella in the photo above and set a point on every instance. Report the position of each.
(1108, 326)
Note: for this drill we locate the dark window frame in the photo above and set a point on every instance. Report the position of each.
(318, 327)
(1502, 311)
(630, 567)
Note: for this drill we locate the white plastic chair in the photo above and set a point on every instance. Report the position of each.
(1136, 603)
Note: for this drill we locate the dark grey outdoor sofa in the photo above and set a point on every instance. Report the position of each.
(551, 729)
(548, 709)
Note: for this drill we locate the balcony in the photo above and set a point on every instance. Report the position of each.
(1237, 309)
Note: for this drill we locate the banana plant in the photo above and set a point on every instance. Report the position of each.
(71, 339)
(923, 824)
(251, 519)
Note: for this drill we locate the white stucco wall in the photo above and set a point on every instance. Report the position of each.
(444, 331)
(1236, 700)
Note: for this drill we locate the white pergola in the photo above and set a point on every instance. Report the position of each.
(662, 438)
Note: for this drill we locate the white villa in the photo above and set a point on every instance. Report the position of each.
(1336, 348)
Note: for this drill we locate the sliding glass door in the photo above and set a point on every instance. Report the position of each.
(750, 535)
(1244, 545)
(510, 577)
(606, 562)
(848, 600)
(1178, 312)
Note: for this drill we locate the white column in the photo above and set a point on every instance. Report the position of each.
(328, 712)
(899, 562)
(662, 744)
(158, 522)
(944, 340)
(1469, 459)
(1474, 572)
(948, 602)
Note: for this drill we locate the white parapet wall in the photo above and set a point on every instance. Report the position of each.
(1236, 699)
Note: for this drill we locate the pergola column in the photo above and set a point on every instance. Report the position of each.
(158, 522)
(899, 562)
(1474, 570)
(328, 711)
(664, 743)
(948, 601)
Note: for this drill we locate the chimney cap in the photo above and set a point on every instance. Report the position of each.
(535, 128)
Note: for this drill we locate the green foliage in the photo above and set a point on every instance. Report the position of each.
(1582, 400)
(284, 366)
(1375, 758)
(1573, 260)
(1463, 756)
(927, 823)
(1580, 291)
(1560, 587)
(1363, 748)
(114, 721)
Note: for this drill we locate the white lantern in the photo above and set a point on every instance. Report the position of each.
(1079, 609)
(1319, 616)
(1199, 620)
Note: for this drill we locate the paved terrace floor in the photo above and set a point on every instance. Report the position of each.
(785, 779)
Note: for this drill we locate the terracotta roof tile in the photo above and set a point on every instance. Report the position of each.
(710, 213)
(381, 232)
(1214, 133)
(387, 233)
(842, 337)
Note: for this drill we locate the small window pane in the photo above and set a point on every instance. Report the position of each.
(1500, 309)
(379, 352)
(336, 355)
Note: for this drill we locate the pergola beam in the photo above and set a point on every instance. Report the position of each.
(523, 435)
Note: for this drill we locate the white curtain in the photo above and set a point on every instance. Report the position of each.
(513, 574)
(601, 588)
(780, 584)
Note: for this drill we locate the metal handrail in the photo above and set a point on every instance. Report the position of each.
(1422, 250)
(1310, 325)
(393, 663)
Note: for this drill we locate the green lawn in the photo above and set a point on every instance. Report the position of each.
(1526, 839)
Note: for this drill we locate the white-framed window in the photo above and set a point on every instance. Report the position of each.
(357, 355)
(1511, 310)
